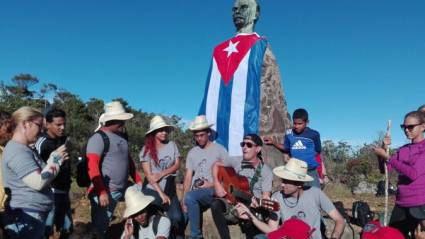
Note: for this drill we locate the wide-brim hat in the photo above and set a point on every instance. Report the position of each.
(200, 123)
(294, 170)
(135, 201)
(113, 111)
(157, 122)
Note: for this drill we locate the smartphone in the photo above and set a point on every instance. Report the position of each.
(67, 142)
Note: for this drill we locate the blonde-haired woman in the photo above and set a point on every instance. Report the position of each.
(27, 178)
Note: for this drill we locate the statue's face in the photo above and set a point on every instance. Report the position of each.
(244, 13)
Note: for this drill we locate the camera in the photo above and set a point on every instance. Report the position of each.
(198, 183)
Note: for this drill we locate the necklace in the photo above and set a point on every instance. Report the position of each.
(290, 204)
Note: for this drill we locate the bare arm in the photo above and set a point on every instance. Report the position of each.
(219, 190)
(38, 180)
(339, 223)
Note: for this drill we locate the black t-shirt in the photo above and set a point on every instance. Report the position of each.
(45, 145)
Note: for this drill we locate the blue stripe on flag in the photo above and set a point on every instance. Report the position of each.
(223, 113)
(253, 92)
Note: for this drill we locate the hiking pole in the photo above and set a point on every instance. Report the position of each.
(387, 134)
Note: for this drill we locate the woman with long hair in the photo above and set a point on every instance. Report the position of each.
(160, 159)
(409, 162)
(27, 178)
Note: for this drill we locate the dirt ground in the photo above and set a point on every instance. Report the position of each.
(337, 192)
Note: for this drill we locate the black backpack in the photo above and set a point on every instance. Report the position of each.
(83, 178)
(361, 213)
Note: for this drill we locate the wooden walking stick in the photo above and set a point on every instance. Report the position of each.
(387, 134)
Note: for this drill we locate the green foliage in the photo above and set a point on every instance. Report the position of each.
(82, 117)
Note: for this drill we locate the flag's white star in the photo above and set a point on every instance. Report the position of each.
(231, 48)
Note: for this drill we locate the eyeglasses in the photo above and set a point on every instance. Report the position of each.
(39, 125)
(408, 126)
(248, 144)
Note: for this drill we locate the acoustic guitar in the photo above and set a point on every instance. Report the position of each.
(237, 188)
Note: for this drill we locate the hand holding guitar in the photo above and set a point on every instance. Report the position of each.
(243, 212)
(219, 190)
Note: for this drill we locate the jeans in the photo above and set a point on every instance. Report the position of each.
(60, 215)
(173, 211)
(25, 224)
(315, 175)
(195, 201)
(101, 216)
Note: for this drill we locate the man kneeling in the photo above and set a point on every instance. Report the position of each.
(297, 201)
(142, 218)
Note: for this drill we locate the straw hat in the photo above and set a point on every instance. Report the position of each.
(199, 123)
(295, 170)
(113, 111)
(135, 201)
(157, 122)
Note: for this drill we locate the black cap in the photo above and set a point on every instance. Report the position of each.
(254, 138)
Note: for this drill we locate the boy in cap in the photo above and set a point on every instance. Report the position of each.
(297, 201)
(109, 176)
(259, 176)
(198, 187)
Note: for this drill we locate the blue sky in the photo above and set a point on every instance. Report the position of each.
(352, 64)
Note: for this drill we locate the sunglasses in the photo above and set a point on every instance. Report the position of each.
(408, 126)
(248, 144)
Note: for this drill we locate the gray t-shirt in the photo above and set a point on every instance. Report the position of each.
(200, 160)
(115, 166)
(306, 208)
(148, 233)
(167, 156)
(19, 161)
(244, 168)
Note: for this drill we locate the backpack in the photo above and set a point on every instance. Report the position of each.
(361, 213)
(83, 178)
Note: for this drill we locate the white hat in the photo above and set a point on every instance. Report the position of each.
(135, 201)
(294, 170)
(157, 122)
(113, 111)
(199, 123)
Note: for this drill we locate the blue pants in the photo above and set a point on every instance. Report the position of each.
(101, 216)
(174, 212)
(25, 224)
(60, 215)
(195, 201)
(315, 175)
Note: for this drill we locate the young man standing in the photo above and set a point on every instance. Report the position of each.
(259, 176)
(297, 201)
(109, 175)
(303, 143)
(198, 183)
(53, 137)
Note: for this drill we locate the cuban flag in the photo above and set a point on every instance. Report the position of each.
(232, 93)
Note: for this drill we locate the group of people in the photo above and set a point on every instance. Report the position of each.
(36, 177)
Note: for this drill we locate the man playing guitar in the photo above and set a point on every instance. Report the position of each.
(259, 177)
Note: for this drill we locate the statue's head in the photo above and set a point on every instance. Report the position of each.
(245, 15)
